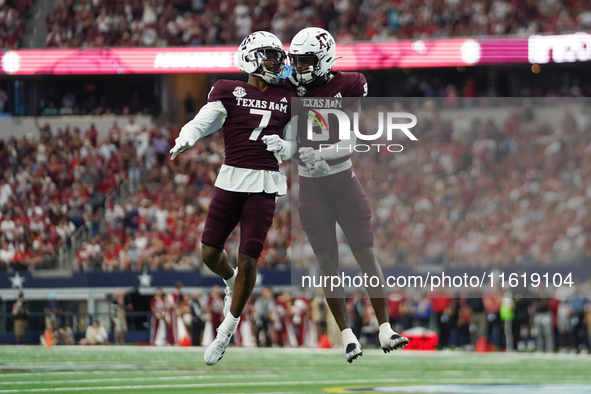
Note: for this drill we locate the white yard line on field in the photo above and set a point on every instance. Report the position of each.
(144, 379)
(190, 386)
(237, 384)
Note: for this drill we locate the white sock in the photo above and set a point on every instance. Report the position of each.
(229, 324)
(348, 337)
(386, 328)
(230, 282)
(386, 332)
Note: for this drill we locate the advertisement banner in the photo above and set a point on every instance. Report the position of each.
(380, 55)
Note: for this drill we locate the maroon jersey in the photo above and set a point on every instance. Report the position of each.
(252, 114)
(342, 84)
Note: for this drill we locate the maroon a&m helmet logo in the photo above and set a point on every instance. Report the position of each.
(324, 41)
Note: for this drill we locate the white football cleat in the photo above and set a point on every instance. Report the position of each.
(215, 351)
(352, 351)
(391, 340)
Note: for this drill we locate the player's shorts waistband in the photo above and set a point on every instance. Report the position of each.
(334, 169)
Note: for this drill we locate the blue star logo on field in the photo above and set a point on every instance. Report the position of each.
(17, 281)
(145, 279)
(239, 92)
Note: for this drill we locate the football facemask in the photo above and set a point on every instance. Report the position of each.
(304, 67)
(273, 65)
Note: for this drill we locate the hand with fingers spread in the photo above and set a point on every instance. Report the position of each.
(181, 144)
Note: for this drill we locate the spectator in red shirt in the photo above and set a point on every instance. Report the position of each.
(443, 307)
(395, 301)
(92, 134)
(115, 134)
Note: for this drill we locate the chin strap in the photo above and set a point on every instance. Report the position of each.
(273, 79)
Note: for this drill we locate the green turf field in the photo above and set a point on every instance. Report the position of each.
(130, 369)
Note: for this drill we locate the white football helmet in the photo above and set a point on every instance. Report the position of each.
(312, 53)
(263, 46)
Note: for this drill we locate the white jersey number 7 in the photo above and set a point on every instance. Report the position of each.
(264, 122)
(266, 117)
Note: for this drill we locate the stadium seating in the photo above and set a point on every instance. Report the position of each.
(55, 184)
(51, 186)
(12, 22)
(417, 220)
(60, 182)
(484, 192)
(76, 23)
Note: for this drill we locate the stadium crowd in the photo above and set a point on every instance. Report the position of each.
(51, 186)
(99, 23)
(484, 192)
(13, 16)
(489, 194)
(160, 225)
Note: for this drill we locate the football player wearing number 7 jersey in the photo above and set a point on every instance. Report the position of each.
(254, 117)
(330, 193)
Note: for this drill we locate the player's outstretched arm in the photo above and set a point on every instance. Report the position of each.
(210, 118)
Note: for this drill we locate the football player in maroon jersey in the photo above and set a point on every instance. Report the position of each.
(253, 117)
(330, 192)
